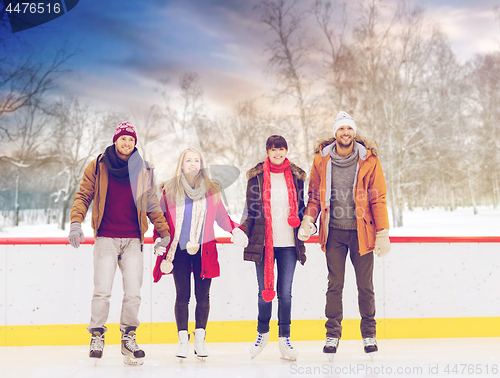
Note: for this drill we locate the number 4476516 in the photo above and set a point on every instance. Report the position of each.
(473, 369)
(34, 8)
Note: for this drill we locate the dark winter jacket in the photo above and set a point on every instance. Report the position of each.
(253, 220)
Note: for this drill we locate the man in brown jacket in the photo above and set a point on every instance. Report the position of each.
(123, 190)
(347, 187)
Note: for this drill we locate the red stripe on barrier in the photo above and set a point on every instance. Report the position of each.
(313, 239)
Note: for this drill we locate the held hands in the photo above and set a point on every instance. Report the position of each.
(161, 245)
(239, 238)
(307, 228)
(75, 234)
(382, 243)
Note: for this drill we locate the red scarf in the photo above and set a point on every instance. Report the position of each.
(293, 220)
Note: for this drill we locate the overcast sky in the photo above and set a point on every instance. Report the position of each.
(124, 47)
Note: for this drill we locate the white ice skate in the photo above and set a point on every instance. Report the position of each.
(330, 348)
(199, 344)
(259, 344)
(286, 349)
(370, 345)
(132, 354)
(183, 348)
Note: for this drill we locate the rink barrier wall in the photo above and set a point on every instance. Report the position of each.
(244, 330)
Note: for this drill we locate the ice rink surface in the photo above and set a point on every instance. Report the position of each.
(466, 357)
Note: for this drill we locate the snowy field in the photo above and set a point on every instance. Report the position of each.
(434, 222)
(475, 357)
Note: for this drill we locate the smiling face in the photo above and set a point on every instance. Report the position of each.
(277, 155)
(124, 146)
(345, 136)
(191, 164)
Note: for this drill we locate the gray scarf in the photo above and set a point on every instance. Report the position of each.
(344, 161)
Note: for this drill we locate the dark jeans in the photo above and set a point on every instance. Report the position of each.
(286, 259)
(183, 263)
(338, 243)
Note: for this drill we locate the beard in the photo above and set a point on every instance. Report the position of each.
(346, 145)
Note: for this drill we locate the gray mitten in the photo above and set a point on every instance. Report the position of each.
(161, 245)
(75, 234)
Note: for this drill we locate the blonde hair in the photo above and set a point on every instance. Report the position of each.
(174, 186)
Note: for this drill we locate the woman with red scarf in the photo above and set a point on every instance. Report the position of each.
(273, 212)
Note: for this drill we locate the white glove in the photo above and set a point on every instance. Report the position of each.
(161, 245)
(75, 234)
(239, 238)
(382, 243)
(307, 228)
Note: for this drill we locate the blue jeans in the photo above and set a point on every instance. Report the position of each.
(285, 259)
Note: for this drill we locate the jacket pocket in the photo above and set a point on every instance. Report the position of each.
(370, 232)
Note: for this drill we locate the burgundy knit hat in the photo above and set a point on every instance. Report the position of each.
(125, 128)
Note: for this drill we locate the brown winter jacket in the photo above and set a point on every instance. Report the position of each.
(94, 186)
(253, 221)
(369, 189)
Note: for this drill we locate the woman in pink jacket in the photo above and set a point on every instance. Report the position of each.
(192, 203)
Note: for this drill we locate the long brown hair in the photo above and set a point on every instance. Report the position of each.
(174, 186)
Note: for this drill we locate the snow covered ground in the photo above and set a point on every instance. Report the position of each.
(434, 222)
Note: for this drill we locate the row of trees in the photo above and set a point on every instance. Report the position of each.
(434, 117)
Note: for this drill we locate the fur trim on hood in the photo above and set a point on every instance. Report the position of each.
(259, 168)
(370, 144)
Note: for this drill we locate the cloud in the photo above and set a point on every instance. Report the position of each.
(471, 30)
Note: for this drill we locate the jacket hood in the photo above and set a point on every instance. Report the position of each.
(368, 143)
(259, 168)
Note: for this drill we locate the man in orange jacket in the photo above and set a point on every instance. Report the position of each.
(347, 188)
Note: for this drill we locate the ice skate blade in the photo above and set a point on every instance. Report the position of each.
(202, 358)
(331, 356)
(132, 361)
(288, 358)
(372, 355)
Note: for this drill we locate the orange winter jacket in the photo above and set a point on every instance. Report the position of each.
(369, 192)
(94, 187)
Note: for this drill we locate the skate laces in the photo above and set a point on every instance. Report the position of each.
(287, 343)
(258, 342)
(130, 342)
(332, 342)
(97, 342)
(369, 341)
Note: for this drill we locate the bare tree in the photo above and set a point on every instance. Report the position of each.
(149, 128)
(401, 60)
(485, 81)
(339, 62)
(183, 106)
(80, 135)
(289, 56)
(238, 140)
(27, 133)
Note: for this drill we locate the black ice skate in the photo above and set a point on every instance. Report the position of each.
(370, 346)
(96, 343)
(133, 355)
(330, 348)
